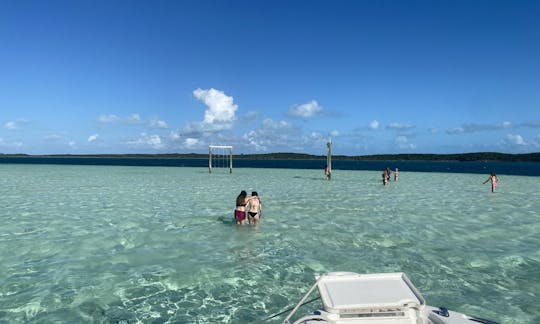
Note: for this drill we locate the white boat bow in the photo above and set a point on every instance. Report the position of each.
(381, 298)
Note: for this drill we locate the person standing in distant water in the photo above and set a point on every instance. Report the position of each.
(255, 208)
(327, 172)
(396, 175)
(385, 178)
(240, 210)
(493, 178)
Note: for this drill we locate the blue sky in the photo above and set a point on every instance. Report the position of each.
(377, 77)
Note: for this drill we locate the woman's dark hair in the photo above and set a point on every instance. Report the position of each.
(240, 200)
(254, 193)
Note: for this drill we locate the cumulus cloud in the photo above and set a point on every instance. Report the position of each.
(399, 126)
(52, 137)
(531, 124)
(536, 141)
(220, 108)
(284, 136)
(108, 119)
(515, 139)
(154, 141)
(93, 138)
(272, 134)
(473, 128)
(156, 123)
(113, 119)
(191, 142)
(14, 124)
(403, 143)
(10, 125)
(316, 136)
(456, 130)
(174, 136)
(251, 116)
(374, 124)
(8, 144)
(193, 139)
(145, 140)
(308, 110)
(134, 119)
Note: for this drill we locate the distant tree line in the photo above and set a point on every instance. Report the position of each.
(464, 157)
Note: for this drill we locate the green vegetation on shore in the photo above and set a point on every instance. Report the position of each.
(464, 157)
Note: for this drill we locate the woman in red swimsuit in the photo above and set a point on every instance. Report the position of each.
(240, 210)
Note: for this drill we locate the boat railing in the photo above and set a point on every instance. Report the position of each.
(301, 302)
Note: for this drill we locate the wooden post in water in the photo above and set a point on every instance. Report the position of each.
(210, 159)
(230, 159)
(329, 157)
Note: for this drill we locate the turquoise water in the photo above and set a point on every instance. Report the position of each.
(109, 244)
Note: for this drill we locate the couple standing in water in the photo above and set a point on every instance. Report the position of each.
(386, 176)
(494, 179)
(252, 205)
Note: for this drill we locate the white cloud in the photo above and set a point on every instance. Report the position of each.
(154, 141)
(191, 142)
(15, 124)
(251, 116)
(112, 119)
(52, 137)
(134, 119)
(272, 134)
(374, 124)
(456, 130)
(220, 109)
(156, 123)
(334, 133)
(531, 124)
(108, 119)
(174, 136)
(403, 143)
(399, 126)
(536, 141)
(307, 110)
(316, 136)
(473, 128)
(6, 144)
(145, 140)
(515, 139)
(93, 138)
(10, 125)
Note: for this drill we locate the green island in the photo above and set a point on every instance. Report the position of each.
(463, 157)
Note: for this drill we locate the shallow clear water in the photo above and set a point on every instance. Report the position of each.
(109, 244)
